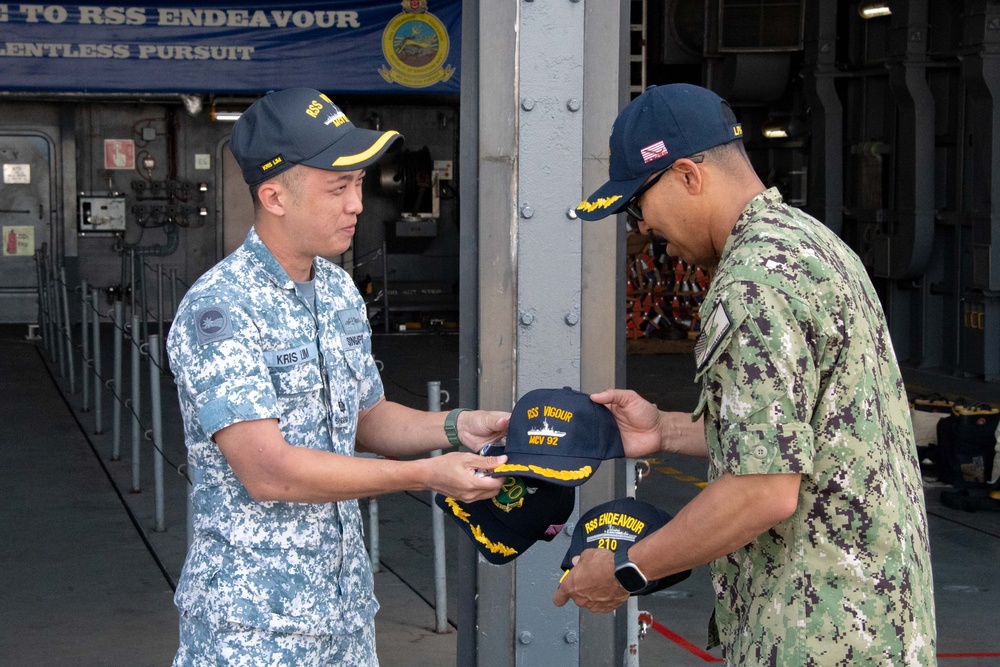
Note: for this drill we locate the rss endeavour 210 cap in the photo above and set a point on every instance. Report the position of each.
(504, 527)
(302, 126)
(616, 526)
(559, 436)
(657, 128)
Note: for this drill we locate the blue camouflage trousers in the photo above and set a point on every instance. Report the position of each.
(204, 644)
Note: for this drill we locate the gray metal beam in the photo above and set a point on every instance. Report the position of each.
(468, 299)
(910, 246)
(826, 163)
(497, 222)
(549, 258)
(602, 327)
(540, 310)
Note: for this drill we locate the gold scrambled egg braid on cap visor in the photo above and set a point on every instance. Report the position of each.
(477, 532)
(347, 160)
(565, 475)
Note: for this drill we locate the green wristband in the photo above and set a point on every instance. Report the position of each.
(451, 426)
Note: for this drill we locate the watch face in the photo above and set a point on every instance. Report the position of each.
(631, 579)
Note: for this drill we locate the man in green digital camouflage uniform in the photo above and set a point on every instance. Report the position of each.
(813, 520)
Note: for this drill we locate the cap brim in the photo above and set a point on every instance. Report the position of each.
(560, 470)
(609, 199)
(357, 149)
(497, 543)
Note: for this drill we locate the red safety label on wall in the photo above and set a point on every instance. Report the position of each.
(119, 154)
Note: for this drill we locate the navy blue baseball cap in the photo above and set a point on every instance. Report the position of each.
(504, 527)
(656, 129)
(617, 525)
(302, 126)
(559, 436)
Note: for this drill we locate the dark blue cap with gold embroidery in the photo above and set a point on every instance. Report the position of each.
(302, 126)
(504, 527)
(559, 436)
(617, 525)
(657, 128)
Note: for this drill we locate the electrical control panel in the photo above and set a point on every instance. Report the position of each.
(101, 215)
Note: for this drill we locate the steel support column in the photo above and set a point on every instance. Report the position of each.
(602, 327)
(549, 260)
(826, 163)
(529, 115)
(496, 219)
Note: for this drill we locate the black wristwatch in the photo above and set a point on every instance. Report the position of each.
(628, 573)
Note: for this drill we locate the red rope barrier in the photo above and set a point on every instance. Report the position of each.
(707, 657)
(677, 639)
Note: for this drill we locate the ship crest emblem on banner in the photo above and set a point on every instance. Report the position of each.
(415, 45)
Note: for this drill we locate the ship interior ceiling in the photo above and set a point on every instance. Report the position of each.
(884, 125)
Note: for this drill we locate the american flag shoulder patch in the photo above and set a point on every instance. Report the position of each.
(713, 332)
(653, 151)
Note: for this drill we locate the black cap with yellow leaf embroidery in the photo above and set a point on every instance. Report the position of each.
(504, 527)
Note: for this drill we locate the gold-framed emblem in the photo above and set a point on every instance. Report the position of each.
(415, 45)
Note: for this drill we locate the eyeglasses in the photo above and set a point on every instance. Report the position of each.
(632, 205)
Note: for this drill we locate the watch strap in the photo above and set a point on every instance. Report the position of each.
(623, 564)
(451, 426)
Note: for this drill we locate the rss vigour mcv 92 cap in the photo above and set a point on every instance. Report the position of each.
(302, 126)
(655, 130)
(559, 436)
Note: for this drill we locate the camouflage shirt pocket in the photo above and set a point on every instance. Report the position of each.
(302, 378)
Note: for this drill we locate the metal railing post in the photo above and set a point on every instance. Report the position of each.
(98, 380)
(159, 299)
(385, 287)
(85, 345)
(437, 524)
(145, 300)
(161, 325)
(68, 329)
(131, 283)
(118, 330)
(50, 322)
(58, 338)
(192, 474)
(173, 294)
(42, 308)
(135, 403)
(153, 345)
(373, 534)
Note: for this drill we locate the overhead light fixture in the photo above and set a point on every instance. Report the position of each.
(870, 10)
(225, 114)
(775, 129)
(784, 125)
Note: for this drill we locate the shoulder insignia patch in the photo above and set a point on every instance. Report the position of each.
(713, 332)
(212, 324)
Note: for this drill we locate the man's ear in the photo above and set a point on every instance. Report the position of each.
(691, 175)
(272, 197)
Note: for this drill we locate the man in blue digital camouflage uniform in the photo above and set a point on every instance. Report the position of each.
(271, 351)
(813, 519)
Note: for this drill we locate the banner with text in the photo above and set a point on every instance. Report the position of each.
(337, 46)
